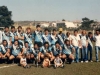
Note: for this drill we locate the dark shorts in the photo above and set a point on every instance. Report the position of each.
(67, 55)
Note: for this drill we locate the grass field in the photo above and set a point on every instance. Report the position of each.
(73, 69)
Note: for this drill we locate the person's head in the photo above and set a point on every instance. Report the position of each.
(68, 33)
(46, 44)
(23, 55)
(12, 28)
(57, 56)
(26, 44)
(75, 32)
(67, 42)
(57, 44)
(28, 30)
(16, 42)
(4, 42)
(38, 27)
(97, 32)
(60, 30)
(83, 32)
(46, 31)
(6, 28)
(19, 28)
(54, 31)
(90, 34)
(36, 45)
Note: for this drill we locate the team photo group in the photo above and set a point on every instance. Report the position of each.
(46, 48)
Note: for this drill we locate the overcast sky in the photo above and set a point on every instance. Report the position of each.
(52, 10)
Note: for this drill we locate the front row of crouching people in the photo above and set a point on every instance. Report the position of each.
(46, 54)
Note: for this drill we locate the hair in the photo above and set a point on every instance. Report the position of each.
(19, 27)
(66, 40)
(97, 30)
(37, 26)
(46, 29)
(12, 27)
(4, 40)
(25, 42)
(17, 41)
(46, 43)
(6, 27)
(57, 55)
(36, 43)
(57, 42)
(54, 30)
(24, 54)
(83, 31)
(75, 31)
(28, 28)
(89, 33)
(67, 33)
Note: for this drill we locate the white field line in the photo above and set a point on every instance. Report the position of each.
(7, 66)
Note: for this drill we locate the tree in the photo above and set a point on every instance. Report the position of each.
(63, 20)
(86, 23)
(5, 17)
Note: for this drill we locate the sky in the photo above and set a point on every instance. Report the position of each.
(53, 10)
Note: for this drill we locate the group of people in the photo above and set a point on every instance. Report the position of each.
(46, 47)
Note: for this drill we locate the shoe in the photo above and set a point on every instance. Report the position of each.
(86, 61)
(97, 60)
(81, 61)
(54, 67)
(91, 61)
(77, 61)
(63, 67)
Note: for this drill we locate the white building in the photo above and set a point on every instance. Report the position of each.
(44, 24)
(70, 25)
(66, 23)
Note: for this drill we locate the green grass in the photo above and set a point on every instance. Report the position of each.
(73, 69)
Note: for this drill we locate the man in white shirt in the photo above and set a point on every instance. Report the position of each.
(84, 42)
(76, 43)
(97, 43)
(0, 37)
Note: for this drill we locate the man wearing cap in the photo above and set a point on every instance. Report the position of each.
(61, 37)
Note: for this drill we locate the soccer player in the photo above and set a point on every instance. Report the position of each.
(61, 37)
(46, 37)
(36, 51)
(6, 35)
(20, 36)
(28, 51)
(76, 43)
(17, 51)
(4, 50)
(38, 36)
(46, 50)
(57, 49)
(28, 37)
(69, 51)
(12, 34)
(54, 37)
